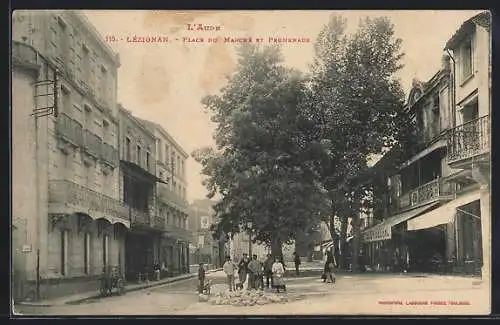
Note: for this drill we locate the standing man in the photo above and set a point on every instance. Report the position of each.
(243, 269)
(201, 278)
(268, 266)
(229, 268)
(255, 268)
(296, 260)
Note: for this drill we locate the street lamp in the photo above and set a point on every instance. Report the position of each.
(249, 226)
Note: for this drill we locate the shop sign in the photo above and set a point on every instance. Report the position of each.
(377, 234)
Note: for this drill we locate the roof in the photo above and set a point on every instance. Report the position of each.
(482, 19)
(136, 120)
(166, 135)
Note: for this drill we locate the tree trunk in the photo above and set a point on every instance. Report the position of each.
(276, 247)
(343, 243)
(355, 242)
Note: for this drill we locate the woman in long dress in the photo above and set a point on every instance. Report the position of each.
(278, 275)
(328, 272)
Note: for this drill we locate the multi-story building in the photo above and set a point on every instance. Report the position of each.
(432, 213)
(172, 204)
(469, 140)
(138, 185)
(68, 220)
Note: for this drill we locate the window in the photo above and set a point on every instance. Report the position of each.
(139, 155)
(466, 60)
(175, 186)
(86, 253)
(166, 155)
(66, 100)
(104, 85)
(64, 252)
(178, 165)
(127, 149)
(182, 168)
(147, 160)
(444, 109)
(85, 63)
(471, 111)
(89, 177)
(64, 46)
(105, 250)
(172, 165)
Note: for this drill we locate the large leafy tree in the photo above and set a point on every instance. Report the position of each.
(359, 107)
(262, 164)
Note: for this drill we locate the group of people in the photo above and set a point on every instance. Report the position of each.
(253, 271)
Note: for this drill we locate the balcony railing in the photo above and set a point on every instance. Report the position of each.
(85, 200)
(138, 217)
(469, 139)
(24, 54)
(179, 232)
(109, 154)
(69, 129)
(159, 222)
(92, 143)
(169, 196)
(426, 193)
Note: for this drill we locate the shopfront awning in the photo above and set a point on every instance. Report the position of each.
(442, 215)
(383, 230)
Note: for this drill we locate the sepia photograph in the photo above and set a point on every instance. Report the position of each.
(258, 163)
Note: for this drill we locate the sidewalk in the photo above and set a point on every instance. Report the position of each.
(77, 298)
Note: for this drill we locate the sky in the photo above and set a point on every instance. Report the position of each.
(165, 82)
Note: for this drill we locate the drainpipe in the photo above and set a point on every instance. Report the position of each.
(452, 87)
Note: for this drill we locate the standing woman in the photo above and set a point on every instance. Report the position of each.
(278, 275)
(329, 267)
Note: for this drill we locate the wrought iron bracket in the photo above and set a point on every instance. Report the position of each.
(57, 219)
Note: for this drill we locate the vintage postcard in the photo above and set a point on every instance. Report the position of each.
(251, 162)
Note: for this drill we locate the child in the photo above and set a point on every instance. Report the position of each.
(201, 278)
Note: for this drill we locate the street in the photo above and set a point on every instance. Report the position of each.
(351, 295)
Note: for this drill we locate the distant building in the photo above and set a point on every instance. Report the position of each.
(207, 249)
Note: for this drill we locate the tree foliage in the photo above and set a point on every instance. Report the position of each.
(261, 166)
(359, 105)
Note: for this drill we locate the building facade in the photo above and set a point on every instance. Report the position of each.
(208, 250)
(432, 214)
(138, 187)
(172, 205)
(69, 223)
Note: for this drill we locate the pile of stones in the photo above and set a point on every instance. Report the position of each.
(250, 298)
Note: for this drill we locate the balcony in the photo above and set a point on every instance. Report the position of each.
(92, 143)
(24, 55)
(109, 155)
(178, 232)
(170, 197)
(139, 218)
(469, 140)
(159, 222)
(66, 197)
(438, 189)
(69, 130)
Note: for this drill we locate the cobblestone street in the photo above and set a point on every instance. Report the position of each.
(351, 295)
